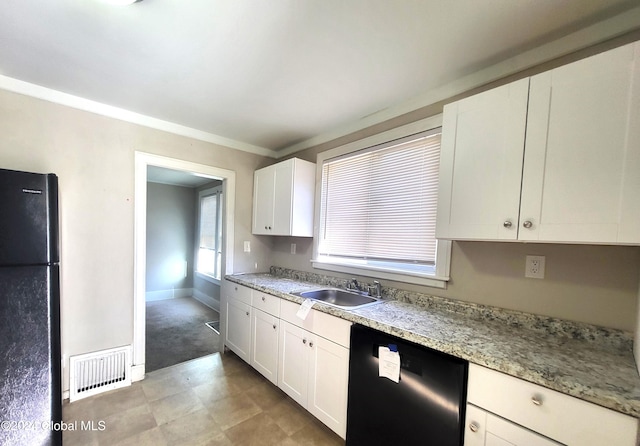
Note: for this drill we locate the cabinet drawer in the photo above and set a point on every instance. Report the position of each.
(329, 327)
(239, 292)
(484, 429)
(266, 302)
(562, 417)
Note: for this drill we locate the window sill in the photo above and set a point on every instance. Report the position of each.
(208, 278)
(381, 273)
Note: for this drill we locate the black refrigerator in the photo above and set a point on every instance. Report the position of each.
(30, 365)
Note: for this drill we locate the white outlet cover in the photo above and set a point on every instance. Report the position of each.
(534, 268)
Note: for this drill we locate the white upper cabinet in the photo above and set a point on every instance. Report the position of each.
(283, 199)
(481, 164)
(553, 158)
(581, 177)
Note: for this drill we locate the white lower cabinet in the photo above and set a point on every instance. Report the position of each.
(504, 410)
(264, 344)
(328, 381)
(307, 358)
(314, 372)
(486, 429)
(238, 328)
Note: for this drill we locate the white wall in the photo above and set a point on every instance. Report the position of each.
(93, 157)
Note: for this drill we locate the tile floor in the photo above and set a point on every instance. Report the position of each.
(214, 400)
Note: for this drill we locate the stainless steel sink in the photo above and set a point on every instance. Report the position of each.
(347, 300)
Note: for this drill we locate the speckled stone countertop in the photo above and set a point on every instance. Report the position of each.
(591, 363)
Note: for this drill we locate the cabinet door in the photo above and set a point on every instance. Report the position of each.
(263, 196)
(264, 344)
(581, 178)
(293, 365)
(283, 196)
(238, 328)
(501, 432)
(475, 426)
(481, 164)
(328, 379)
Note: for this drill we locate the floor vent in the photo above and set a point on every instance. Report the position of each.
(99, 372)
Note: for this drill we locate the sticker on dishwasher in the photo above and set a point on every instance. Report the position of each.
(305, 308)
(389, 364)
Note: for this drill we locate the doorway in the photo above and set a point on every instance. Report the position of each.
(143, 162)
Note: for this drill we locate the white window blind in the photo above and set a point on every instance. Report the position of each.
(379, 204)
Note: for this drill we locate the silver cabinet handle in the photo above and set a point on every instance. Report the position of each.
(527, 224)
(507, 224)
(535, 399)
(473, 427)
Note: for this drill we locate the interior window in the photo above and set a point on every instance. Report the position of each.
(209, 257)
(378, 208)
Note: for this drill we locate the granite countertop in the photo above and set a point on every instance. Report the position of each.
(591, 363)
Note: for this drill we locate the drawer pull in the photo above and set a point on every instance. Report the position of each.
(274, 326)
(236, 288)
(473, 427)
(304, 341)
(536, 400)
(263, 298)
(247, 313)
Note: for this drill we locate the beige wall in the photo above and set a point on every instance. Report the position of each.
(594, 284)
(93, 157)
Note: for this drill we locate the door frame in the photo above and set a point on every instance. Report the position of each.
(142, 161)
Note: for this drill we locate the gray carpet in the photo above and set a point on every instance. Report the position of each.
(176, 332)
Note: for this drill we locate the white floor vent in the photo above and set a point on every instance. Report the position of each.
(99, 372)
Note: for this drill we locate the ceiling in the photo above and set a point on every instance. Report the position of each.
(272, 74)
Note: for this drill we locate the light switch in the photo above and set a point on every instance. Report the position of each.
(247, 246)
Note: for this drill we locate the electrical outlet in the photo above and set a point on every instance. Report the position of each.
(534, 267)
(293, 248)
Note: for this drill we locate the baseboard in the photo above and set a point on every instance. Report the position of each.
(137, 372)
(151, 296)
(209, 301)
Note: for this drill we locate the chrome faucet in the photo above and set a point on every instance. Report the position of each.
(377, 293)
(374, 290)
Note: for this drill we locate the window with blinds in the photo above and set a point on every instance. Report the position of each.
(378, 205)
(209, 258)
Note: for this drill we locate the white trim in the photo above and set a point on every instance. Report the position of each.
(137, 373)
(207, 300)
(367, 271)
(142, 160)
(443, 254)
(592, 35)
(58, 97)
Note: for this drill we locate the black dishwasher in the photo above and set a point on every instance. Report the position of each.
(425, 407)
